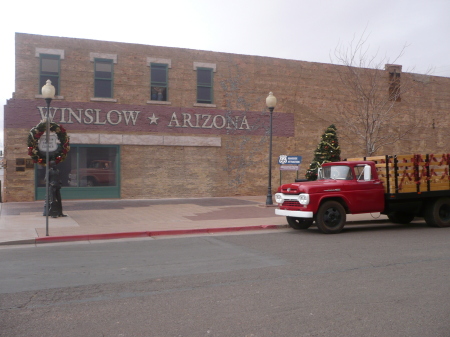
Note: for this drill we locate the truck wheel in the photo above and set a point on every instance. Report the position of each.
(299, 223)
(401, 217)
(331, 217)
(90, 182)
(437, 213)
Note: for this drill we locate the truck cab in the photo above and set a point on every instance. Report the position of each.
(341, 188)
(98, 173)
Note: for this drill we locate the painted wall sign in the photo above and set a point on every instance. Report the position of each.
(133, 118)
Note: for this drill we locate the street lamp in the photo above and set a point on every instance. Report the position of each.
(48, 92)
(271, 101)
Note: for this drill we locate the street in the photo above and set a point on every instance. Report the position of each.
(373, 280)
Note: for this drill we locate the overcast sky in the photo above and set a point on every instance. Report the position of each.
(307, 30)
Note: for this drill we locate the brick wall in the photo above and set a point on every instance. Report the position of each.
(308, 97)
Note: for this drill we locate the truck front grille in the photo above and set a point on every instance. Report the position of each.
(291, 203)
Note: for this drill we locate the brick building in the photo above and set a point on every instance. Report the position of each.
(160, 122)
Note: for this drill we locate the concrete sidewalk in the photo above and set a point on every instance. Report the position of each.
(23, 222)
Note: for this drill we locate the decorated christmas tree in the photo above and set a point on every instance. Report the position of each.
(327, 151)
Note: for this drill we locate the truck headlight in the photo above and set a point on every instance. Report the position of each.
(303, 199)
(279, 198)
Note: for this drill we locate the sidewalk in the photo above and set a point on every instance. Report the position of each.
(23, 222)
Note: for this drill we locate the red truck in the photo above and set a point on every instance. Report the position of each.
(402, 187)
(99, 173)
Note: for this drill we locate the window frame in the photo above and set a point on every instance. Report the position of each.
(82, 192)
(44, 77)
(111, 80)
(159, 84)
(395, 86)
(209, 86)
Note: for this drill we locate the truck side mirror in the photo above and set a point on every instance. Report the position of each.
(367, 173)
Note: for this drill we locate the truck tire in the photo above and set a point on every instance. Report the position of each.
(299, 223)
(403, 218)
(437, 213)
(331, 217)
(90, 182)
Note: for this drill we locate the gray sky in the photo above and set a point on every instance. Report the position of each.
(307, 30)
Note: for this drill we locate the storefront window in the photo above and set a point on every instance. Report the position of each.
(86, 167)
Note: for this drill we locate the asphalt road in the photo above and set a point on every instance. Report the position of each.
(381, 280)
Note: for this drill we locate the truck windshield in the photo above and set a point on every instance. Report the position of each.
(338, 172)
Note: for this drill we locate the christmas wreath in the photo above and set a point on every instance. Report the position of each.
(36, 133)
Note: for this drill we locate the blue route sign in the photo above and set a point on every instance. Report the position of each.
(289, 160)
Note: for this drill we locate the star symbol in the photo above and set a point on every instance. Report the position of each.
(153, 119)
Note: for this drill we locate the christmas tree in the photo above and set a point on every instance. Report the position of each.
(327, 151)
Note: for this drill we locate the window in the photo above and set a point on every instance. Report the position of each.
(158, 75)
(103, 74)
(89, 172)
(49, 70)
(395, 71)
(394, 87)
(205, 85)
(86, 166)
(359, 171)
(341, 172)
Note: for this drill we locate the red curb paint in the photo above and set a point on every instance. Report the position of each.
(179, 232)
(124, 235)
(88, 237)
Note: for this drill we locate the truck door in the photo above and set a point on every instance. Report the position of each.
(368, 195)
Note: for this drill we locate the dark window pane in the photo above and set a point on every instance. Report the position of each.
(102, 74)
(159, 94)
(204, 95)
(103, 88)
(158, 74)
(50, 66)
(64, 169)
(103, 69)
(204, 76)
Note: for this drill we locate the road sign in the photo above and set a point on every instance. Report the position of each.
(289, 160)
(53, 146)
(288, 168)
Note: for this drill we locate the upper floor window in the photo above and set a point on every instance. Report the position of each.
(204, 85)
(103, 78)
(205, 81)
(49, 70)
(394, 81)
(394, 87)
(158, 75)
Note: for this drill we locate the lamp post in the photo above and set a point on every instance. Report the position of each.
(48, 92)
(271, 101)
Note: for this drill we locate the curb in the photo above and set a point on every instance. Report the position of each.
(127, 235)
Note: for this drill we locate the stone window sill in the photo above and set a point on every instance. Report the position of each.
(101, 99)
(205, 105)
(56, 97)
(159, 102)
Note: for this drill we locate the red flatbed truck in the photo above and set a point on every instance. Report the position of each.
(402, 187)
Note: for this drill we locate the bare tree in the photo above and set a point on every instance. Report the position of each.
(373, 86)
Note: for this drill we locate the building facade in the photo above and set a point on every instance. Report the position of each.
(160, 122)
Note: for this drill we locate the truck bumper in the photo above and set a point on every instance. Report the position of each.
(294, 214)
